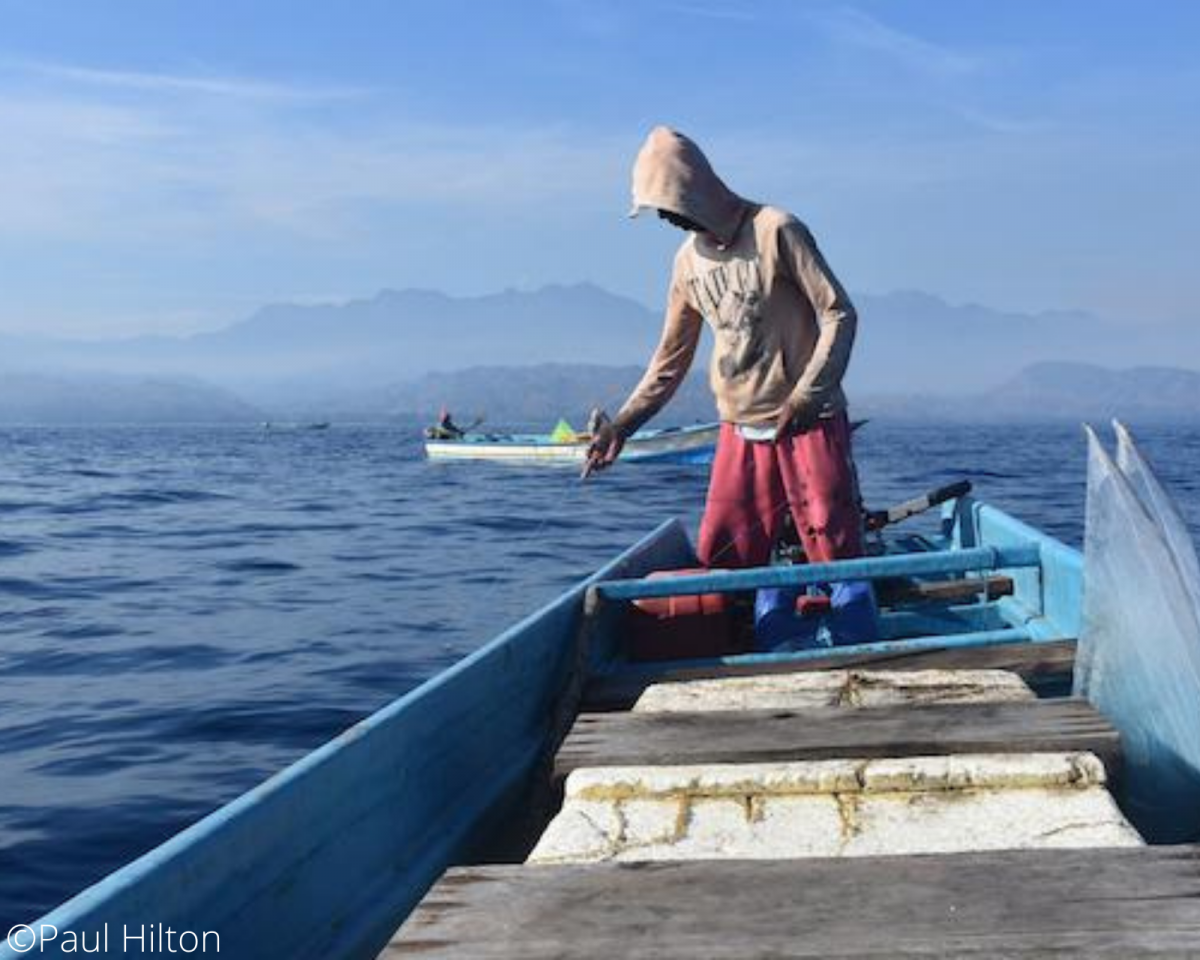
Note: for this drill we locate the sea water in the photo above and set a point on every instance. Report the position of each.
(185, 611)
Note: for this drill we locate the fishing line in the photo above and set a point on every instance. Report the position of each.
(575, 496)
(574, 493)
(762, 524)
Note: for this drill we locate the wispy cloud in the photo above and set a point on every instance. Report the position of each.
(970, 86)
(992, 122)
(110, 154)
(208, 85)
(853, 26)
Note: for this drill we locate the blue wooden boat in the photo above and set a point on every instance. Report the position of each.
(328, 857)
(687, 445)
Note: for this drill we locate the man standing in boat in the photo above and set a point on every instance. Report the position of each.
(783, 327)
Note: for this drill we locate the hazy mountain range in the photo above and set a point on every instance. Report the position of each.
(1050, 391)
(1058, 392)
(528, 355)
(393, 336)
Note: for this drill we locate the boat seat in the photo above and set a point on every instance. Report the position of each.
(1067, 725)
(1118, 902)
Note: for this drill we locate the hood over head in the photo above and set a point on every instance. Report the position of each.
(671, 173)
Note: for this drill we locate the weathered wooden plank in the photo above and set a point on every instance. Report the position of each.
(1044, 666)
(617, 739)
(1116, 903)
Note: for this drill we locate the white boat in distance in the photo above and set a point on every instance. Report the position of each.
(694, 444)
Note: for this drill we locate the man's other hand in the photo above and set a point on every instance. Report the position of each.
(607, 443)
(796, 416)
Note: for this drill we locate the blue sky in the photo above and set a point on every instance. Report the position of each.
(170, 166)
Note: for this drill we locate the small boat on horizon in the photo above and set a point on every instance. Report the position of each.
(684, 445)
(310, 425)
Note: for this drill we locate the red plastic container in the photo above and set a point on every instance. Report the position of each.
(701, 604)
(680, 628)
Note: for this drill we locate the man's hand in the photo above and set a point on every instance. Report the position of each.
(607, 442)
(796, 416)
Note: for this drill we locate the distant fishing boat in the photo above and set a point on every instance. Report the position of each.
(313, 425)
(688, 445)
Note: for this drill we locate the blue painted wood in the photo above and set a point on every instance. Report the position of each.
(697, 457)
(981, 638)
(938, 619)
(326, 858)
(1047, 598)
(864, 568)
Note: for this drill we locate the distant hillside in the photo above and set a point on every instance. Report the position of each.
(340, 356)
(66, 399)
(1074, 390)
(538, 394)
(390, 336)
(913, 342)
(1049, 391)
(541, 394)
(1059, 391)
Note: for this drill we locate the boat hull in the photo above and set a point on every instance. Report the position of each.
(683, 445)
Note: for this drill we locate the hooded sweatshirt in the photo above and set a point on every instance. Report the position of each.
(782, 323)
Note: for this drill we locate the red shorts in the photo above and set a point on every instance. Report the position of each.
(753, 483)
